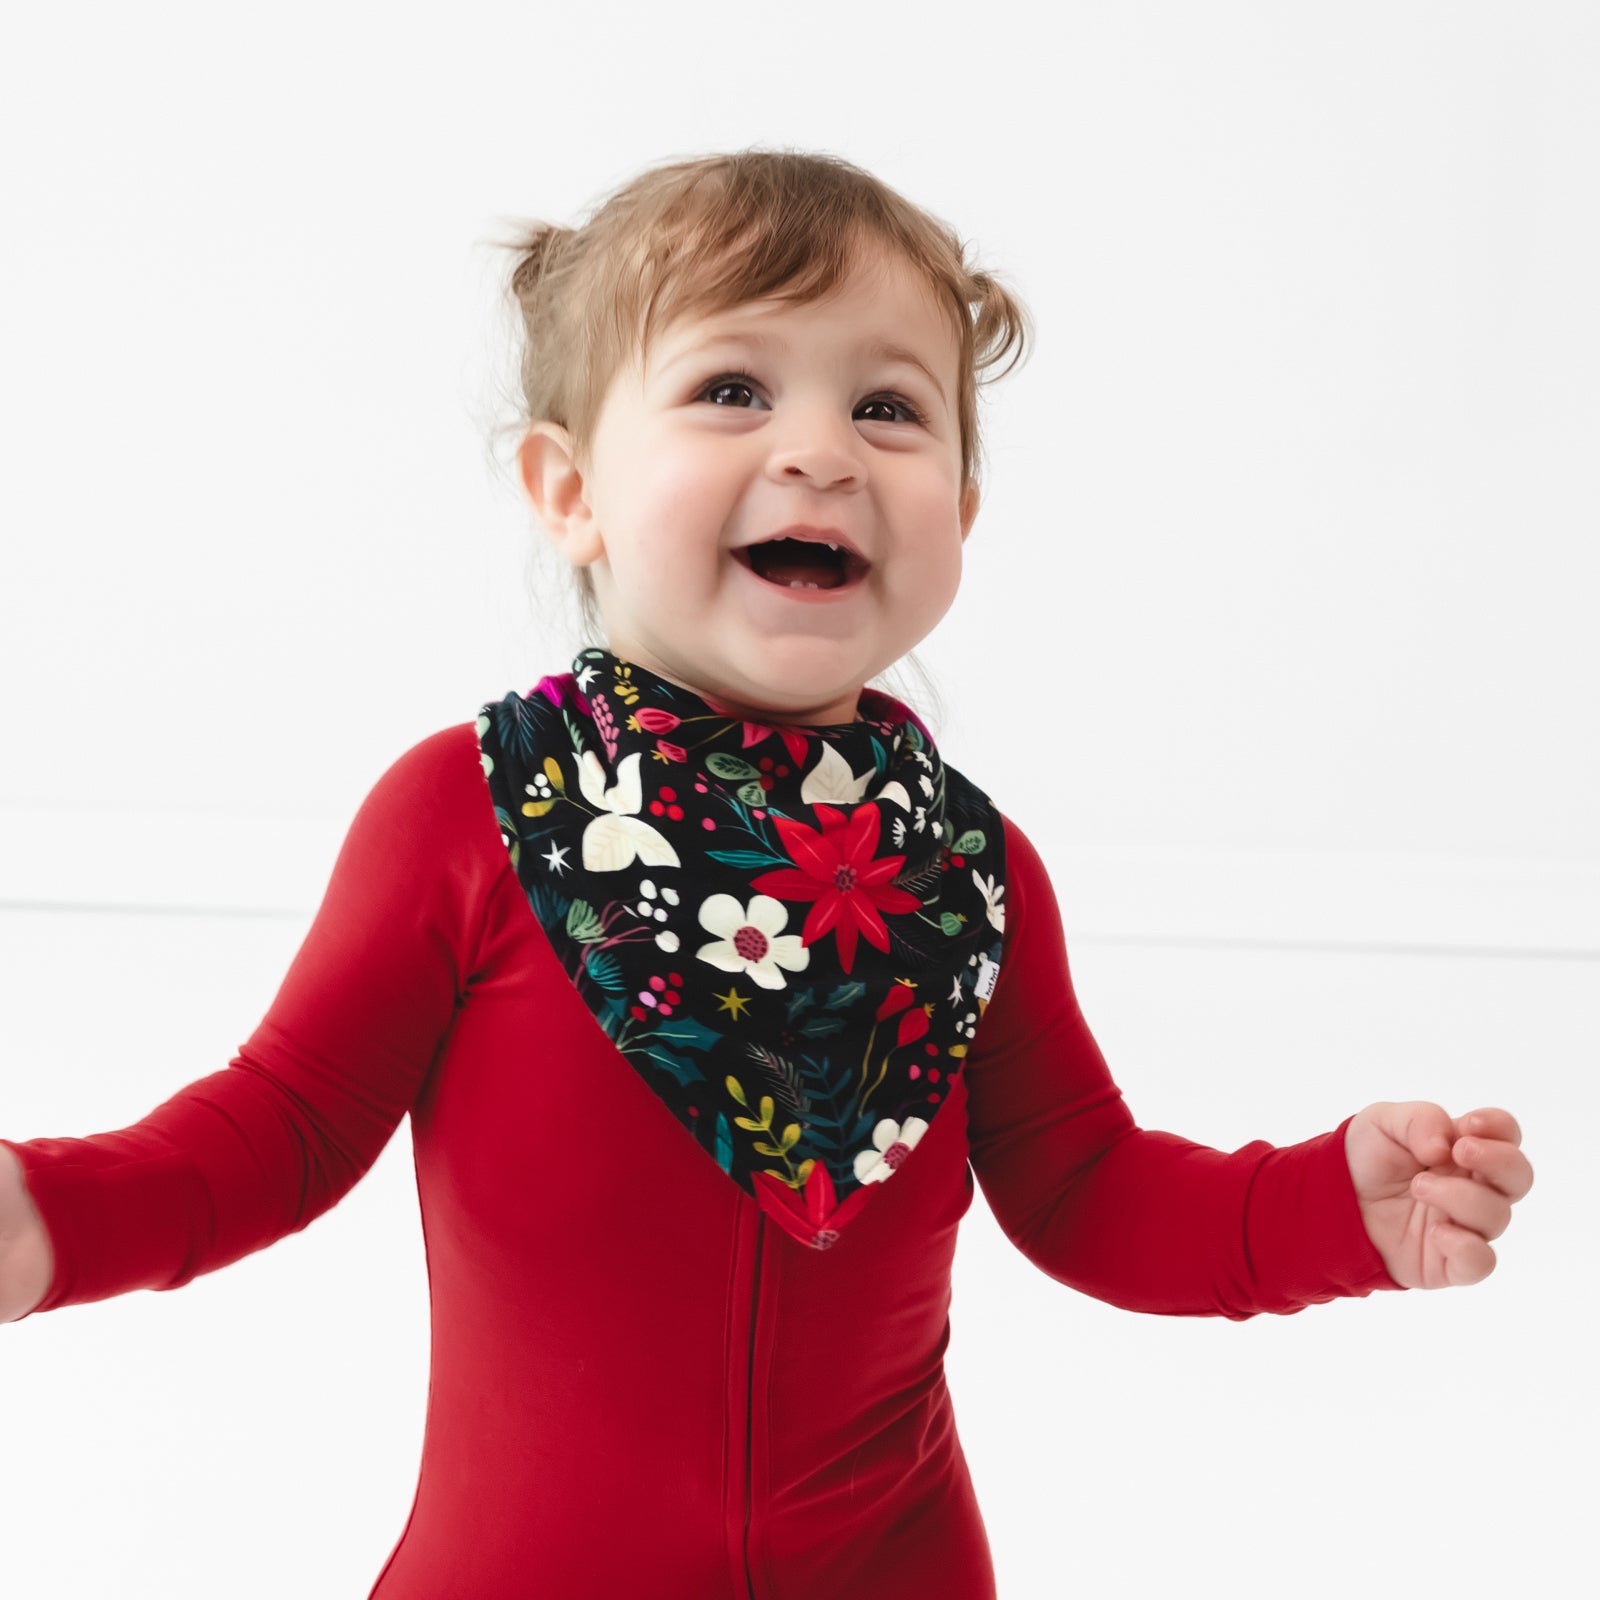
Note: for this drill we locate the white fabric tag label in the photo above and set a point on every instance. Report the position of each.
(988, 972)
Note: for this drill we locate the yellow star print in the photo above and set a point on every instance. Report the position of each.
(731, 1001)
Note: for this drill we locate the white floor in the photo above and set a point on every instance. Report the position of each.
(1387, 1446)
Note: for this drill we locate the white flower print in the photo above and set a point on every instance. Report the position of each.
(898, 830)
(925, 783)
(991, 892)
(667, 940)
(832, 783)
(897, 793)
(751, 940)
(922, 812)
(613, 839)
(893, 1142)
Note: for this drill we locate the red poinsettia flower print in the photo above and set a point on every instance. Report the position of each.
(794, 737)
(834, 867)
(811, 1216)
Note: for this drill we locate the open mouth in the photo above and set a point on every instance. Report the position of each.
(802, 564)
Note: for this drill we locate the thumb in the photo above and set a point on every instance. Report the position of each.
(1423, 1129)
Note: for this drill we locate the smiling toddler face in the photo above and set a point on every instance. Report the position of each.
(840, 417)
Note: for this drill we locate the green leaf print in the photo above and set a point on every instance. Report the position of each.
(687, 1034)
(549, 905)
(970, 843)
(750, 860)
(729, 766)
(724, 1144)
(821, 1027)
(681, 1068)
(583, 924)
(604, 970)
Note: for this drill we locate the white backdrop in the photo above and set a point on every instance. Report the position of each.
(1290, 522)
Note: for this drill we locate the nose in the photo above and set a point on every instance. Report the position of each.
(825, 449)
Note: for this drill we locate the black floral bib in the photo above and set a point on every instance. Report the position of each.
(790, 932)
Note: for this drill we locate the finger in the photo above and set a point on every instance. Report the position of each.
(1466, 1257)
(1491, 1123)
(1495, 1162)
(1477, 1206)
(1423, 1128)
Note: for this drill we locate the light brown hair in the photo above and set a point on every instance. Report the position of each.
(701, 236)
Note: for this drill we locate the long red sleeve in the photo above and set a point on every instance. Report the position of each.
(242, 1157)
(1142, 1219)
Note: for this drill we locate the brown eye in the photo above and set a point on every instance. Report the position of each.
(727, 380)
(893, 400)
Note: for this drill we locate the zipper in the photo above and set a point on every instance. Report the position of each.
(750, 1402)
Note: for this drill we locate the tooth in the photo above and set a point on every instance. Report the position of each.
(795, 583)
(832, 545)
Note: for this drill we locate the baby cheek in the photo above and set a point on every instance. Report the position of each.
(685, 504)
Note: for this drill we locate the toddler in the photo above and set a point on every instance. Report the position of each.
(710, 987)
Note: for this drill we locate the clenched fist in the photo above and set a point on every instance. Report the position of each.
(1435, 1190)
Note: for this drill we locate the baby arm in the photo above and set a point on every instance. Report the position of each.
(1140, 1218)
(246, 1155)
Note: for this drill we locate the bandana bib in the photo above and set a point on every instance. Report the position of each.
(791, 933)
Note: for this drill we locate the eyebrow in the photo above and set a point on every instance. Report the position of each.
(879, 350)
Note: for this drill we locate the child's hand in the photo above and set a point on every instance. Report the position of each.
(1434, 1192)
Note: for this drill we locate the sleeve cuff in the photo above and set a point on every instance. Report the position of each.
(1303, 1230)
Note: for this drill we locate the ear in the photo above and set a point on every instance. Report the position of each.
(547, 464)
(969, 509)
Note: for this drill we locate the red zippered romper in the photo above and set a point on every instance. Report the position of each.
(630, 1344)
